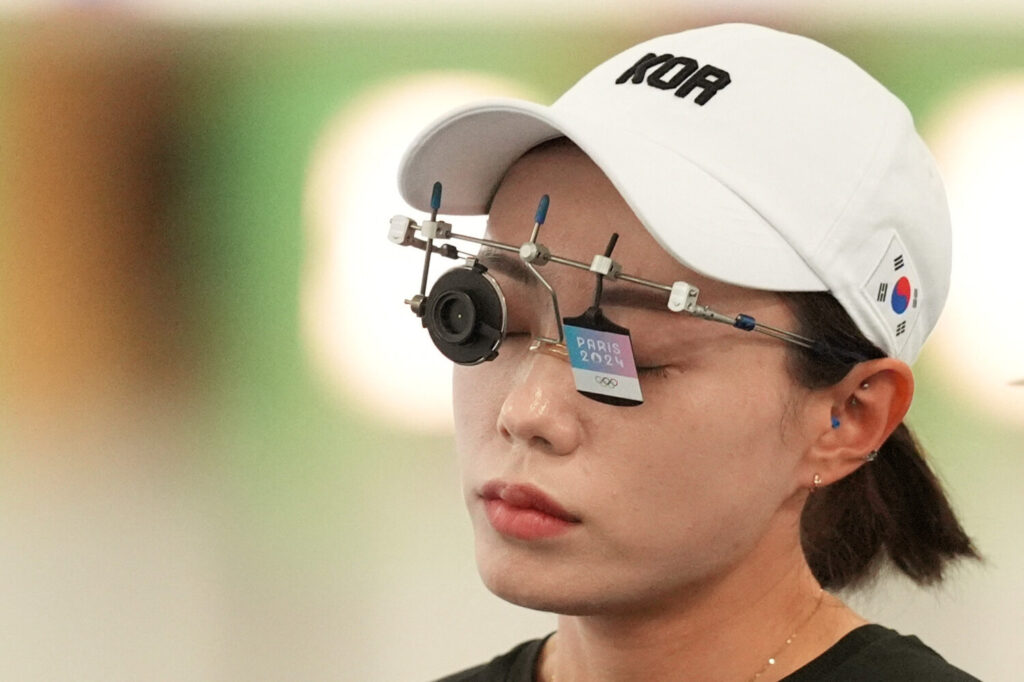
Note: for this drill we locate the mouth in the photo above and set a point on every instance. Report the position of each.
(524, 512)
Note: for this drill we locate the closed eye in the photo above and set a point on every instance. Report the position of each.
(660, 372)
(516, 339)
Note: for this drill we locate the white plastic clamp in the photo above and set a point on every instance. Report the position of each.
(531, 252)
(603, 265)
(683, 298)
(402, 230)
(436, 229)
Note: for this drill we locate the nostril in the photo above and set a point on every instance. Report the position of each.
(523, 430)
(504, 433)
(538, 413)
(539, 442)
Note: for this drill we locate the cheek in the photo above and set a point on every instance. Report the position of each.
(477, 399)
(713, 451)
(466, 401)
(478, 391)
(688, 504)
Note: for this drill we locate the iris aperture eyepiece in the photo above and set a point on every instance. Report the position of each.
(454, 317)
(465, 315)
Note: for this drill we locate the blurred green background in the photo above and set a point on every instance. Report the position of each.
(183, 494)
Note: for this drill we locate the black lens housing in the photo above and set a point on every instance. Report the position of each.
(465, 315)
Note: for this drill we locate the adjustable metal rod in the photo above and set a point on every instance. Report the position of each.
(554, 302)
(435, 204)
(540, 217)
(783, 335)
(742, 322)
(702, 311)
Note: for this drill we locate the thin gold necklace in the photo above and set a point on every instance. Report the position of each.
(789, 640)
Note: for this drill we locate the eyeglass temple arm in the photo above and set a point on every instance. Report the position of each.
(403, 233)
(743, 322)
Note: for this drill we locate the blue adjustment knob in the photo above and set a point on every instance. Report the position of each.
(435, 197)
(745, 322)
(542, 210)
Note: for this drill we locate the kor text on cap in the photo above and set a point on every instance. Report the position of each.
(682, 74)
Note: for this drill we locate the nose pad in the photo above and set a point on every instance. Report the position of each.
(546, 346)
(540, 409)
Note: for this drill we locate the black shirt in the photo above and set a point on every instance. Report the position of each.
(870, 653)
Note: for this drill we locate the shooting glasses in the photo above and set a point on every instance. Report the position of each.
(466, 316)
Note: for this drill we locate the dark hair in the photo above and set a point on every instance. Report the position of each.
(893, 507)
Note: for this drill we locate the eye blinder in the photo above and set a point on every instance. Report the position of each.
(466, 315)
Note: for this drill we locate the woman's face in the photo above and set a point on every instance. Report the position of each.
(661, 497)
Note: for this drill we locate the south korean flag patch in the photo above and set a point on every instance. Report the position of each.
(894, 287)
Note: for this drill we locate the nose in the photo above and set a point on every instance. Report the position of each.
(541, 407)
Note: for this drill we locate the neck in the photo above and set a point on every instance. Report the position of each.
(726, 630)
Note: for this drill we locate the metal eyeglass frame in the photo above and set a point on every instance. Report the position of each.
(683, 297)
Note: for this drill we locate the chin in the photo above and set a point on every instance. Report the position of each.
(566, 597)
(547, 582)
(515, 589)
(519, 575)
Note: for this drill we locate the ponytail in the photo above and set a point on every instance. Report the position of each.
(891, 508)
(894, 506)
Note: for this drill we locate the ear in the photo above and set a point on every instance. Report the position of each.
(863, 409)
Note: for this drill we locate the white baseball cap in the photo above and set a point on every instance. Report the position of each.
(755, 157)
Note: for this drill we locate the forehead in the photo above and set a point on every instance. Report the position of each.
(585, 210)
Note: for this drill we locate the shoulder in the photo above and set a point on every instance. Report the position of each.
(515, 666)
(878, 654)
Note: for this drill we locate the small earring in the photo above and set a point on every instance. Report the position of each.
(871, 456)
(835, 422)
(853, 399)
(816, 483)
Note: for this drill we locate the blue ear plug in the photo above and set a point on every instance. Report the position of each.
(835, 422)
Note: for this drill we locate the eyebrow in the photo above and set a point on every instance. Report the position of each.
(510, 266)
(615, 293)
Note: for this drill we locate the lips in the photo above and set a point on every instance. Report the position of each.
(524, 512)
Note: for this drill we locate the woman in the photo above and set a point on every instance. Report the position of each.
(697, 535)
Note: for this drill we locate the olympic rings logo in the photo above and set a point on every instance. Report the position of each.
(606, 381)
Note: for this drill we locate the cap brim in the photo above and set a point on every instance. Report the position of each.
(697, 219)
